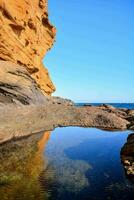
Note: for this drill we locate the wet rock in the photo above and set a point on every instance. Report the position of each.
(131, 127)
(87, 104)
(127, 156)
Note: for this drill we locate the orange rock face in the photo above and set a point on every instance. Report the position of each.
(25, 37)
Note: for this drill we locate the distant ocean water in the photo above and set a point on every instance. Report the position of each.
(117, 105)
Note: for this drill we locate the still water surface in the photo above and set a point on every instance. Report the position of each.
(67, 164)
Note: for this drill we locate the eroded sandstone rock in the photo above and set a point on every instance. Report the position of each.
(17, 86)
(25, 37)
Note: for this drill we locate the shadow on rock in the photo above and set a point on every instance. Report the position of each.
(127, 156)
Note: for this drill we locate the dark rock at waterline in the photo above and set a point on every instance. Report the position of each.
(87, 104)
(127, 156)
(131, 127)
(130, 112)
(108, 106)
(130, 118)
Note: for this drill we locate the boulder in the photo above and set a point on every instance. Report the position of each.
(127, 156)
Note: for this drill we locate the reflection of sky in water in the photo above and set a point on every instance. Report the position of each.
(77, 164)
(86, 163)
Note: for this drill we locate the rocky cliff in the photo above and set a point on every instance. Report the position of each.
(25, 37)
(17, 87)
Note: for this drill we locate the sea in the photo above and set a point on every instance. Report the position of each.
(116, 105)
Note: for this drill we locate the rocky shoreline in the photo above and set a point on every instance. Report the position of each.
(19, 121)
(26, 105)
(25, 110)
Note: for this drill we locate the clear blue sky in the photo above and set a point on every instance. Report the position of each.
(93, 57)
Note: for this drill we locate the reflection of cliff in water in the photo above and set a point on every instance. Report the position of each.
(21, 163)
(127, 156)
(68, 169)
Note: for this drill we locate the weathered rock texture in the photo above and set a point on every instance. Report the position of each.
(33, 119)
(17, 86)
(25, 36)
